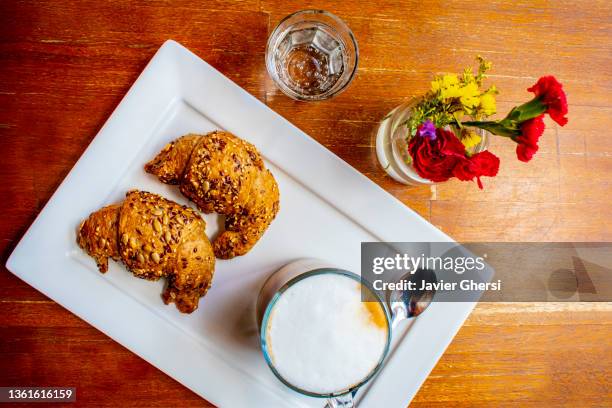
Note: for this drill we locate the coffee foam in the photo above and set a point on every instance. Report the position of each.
(322, 338)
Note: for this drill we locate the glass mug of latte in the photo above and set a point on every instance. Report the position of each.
(317, 335)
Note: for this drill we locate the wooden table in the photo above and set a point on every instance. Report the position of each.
(64, 66)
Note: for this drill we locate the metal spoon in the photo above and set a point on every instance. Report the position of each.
(406, 304)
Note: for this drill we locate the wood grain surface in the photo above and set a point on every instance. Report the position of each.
(64, 66)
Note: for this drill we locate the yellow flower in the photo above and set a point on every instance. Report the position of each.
(458, 115)
(468, 95)
(469, 139)
(487, 104)
(447, 85)
(436, 85)
(450, 80)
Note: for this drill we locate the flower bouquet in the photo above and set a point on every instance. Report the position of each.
(444, 133)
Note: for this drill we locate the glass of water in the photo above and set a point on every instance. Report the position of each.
(312, 55)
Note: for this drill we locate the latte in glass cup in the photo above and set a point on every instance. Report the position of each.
(319, 336)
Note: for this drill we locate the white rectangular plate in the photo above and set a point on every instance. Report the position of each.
(327, 210)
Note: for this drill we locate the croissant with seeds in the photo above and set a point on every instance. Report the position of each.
(222, 173)
(154, 237)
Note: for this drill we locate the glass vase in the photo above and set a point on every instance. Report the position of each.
(392, 146)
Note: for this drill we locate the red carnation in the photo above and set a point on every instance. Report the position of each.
(481, 164)
(435, 159)
(550, 92)
(531, 130)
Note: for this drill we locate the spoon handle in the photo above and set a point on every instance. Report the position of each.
(399, 313)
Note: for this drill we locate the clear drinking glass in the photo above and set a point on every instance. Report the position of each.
(282, 280)
(312, 55)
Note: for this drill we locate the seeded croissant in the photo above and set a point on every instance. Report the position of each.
(154, 238)
(225, 174)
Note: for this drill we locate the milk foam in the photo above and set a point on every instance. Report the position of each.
(321, 337)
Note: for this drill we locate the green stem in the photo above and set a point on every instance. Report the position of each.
(528, 110)
(510, 126)
(499, 128)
